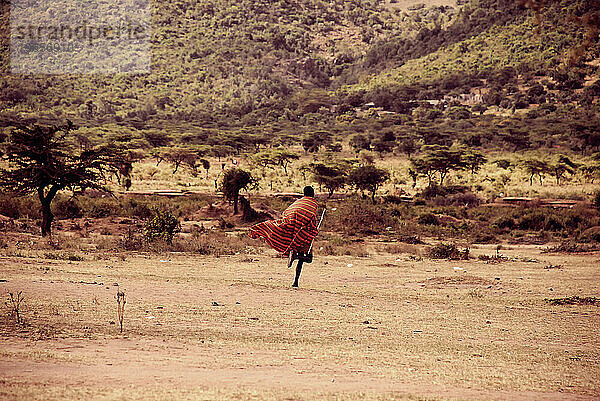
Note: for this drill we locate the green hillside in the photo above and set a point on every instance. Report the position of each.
(525, 43)
(219, 58)
(223, 70)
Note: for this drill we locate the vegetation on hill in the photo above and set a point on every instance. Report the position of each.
(220, 64)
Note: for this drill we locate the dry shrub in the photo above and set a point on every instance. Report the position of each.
(215, 243)
(571, 247)
(19, 206)
(399, 248)
(575, 300)
(428, 219)
(448, 251)
(357, 250)
(357, 216)
(592, 234)
(467, 199)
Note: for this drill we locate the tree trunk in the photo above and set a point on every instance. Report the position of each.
(235, 203)
(47, 218)
(47, 215)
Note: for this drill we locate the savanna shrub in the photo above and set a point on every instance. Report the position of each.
(19, 206)
(448, 251)
(67, 208)
(358, 216)
(596, 200)
(535, 220)
(163, 226)
(99, 207)
(432, 191)
(468, 199)
(504, 222)
(396, 200)
(554, 223)
(592, 234)
(137, 208)
(428, 219)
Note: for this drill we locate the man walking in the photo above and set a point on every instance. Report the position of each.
(292, 235)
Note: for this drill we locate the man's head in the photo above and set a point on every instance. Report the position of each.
(309, 191)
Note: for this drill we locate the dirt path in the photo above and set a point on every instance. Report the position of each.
(382, 327)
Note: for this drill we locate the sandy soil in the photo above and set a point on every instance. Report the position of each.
(379, 327)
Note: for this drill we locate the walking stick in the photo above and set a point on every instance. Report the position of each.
(318, 226)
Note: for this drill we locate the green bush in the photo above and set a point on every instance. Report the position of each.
(163, 226)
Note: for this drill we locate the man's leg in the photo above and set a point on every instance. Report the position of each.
(298, 271)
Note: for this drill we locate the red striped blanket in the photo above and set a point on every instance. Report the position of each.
(294, 231)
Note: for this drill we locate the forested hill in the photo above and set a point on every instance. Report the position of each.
(222, 63)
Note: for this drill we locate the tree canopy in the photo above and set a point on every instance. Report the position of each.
(368, 178)
(234, 180)
(46, 160)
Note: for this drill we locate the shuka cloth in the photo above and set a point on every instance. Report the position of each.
(294, 231)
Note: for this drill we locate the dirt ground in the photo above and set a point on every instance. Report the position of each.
(381, 327)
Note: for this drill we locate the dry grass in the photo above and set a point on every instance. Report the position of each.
(230, 327)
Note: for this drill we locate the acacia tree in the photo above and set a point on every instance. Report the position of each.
(205, 165)
(561, 166)
(331, 176)
(234, 180)
(360, 142)
(186, 155)
(440, 159)
(368, 178)
(473, 160)
(590, 172)
(275, 157)
(535, 167)
(314, 140)
(46, 160)
(407, 145)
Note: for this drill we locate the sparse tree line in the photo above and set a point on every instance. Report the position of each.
(48, 159)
